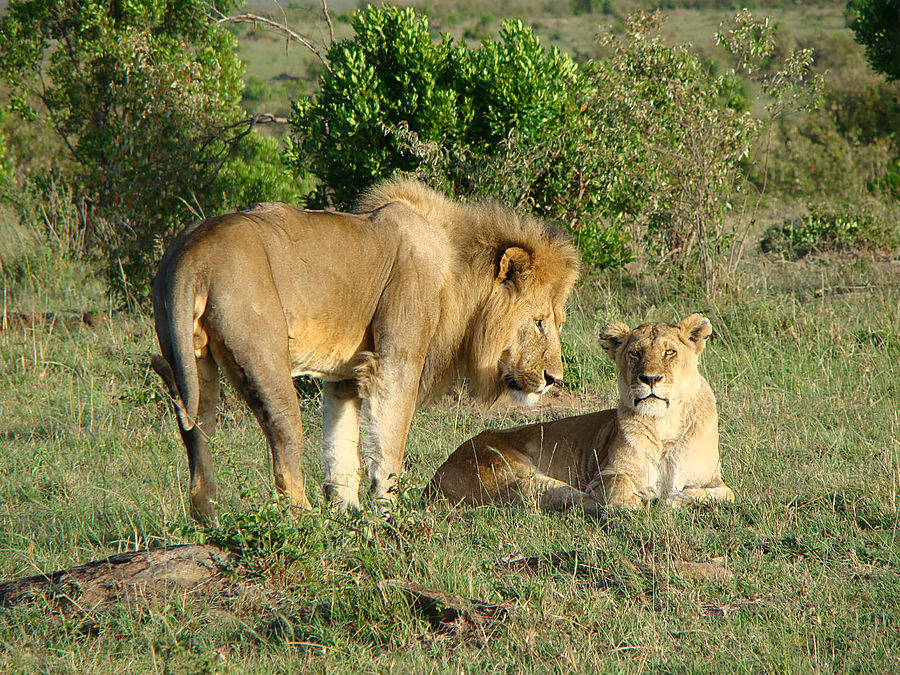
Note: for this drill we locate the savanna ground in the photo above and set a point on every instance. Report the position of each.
(803, 365)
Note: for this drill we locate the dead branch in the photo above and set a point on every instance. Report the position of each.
(283, 27)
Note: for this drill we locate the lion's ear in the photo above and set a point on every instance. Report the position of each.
(696, 328)
(612, 336)
(514, 266)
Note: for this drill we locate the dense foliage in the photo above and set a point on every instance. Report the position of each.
(145, 97)
(876, 24)
(637, 153)
(643, 153)
(496, 120)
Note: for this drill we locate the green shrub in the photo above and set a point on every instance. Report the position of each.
(671, 137)
(498, 120)
(389, 73)
(145, 97)
(256, 172)
(833, 228)
(848, 148)
(648, 141)
(876, 24)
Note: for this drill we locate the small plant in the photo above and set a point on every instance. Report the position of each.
(264, 536)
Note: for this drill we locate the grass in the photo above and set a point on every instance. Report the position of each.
(802, 362)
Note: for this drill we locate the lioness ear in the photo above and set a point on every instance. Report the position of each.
(612, 336)
(697, 329)
(514, 266)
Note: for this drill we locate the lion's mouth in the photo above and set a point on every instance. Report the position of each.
(649, 396)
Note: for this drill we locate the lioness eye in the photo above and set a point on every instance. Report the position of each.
(539, 324)
(634, 355)
(670, 353)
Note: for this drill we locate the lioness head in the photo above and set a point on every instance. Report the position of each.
(516, 340)
(656, 362)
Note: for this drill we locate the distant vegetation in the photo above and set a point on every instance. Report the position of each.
(644, 149)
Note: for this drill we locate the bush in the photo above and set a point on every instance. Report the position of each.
(146, 99)
(833, 228)
(499, 120)
(848, 148)
(670, 138)
(389, 73)
(876, 24)
(649, 140)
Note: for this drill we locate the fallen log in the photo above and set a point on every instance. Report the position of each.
(122, 576)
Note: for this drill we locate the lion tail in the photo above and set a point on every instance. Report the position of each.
(173, 306)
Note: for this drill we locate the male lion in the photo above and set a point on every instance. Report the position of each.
(662, 442)
(385, 306)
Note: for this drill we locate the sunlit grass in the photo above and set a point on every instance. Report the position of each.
(802, 362)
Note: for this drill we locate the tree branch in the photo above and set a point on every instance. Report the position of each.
(263, 21)
(328, 19)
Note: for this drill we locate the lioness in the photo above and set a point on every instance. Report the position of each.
(385, 306)
(662, 442)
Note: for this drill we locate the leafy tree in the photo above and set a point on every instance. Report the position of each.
(487, 122)
(390, 73)
(876, 24)
(145, 97)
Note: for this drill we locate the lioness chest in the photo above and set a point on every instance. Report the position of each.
(664, 468)
(666, 472)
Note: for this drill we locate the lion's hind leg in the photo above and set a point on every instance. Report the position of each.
(196, 439)
(263, 378)
(479, 473)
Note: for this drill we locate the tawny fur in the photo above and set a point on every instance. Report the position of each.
(386, 305)
(661, 442)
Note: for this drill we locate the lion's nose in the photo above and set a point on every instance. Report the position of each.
(549, 379)
(650, 379)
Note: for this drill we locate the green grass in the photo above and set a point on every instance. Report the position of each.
(803, 363)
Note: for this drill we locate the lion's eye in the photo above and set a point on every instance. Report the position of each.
(539, 324)
(670, 353)
(634, 355)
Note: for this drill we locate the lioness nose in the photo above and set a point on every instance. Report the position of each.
(650, 379)
(550, 379)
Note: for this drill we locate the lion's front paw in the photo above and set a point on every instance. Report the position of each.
(695, 495)
(630, 501)
(620, 492)
(681, 499)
